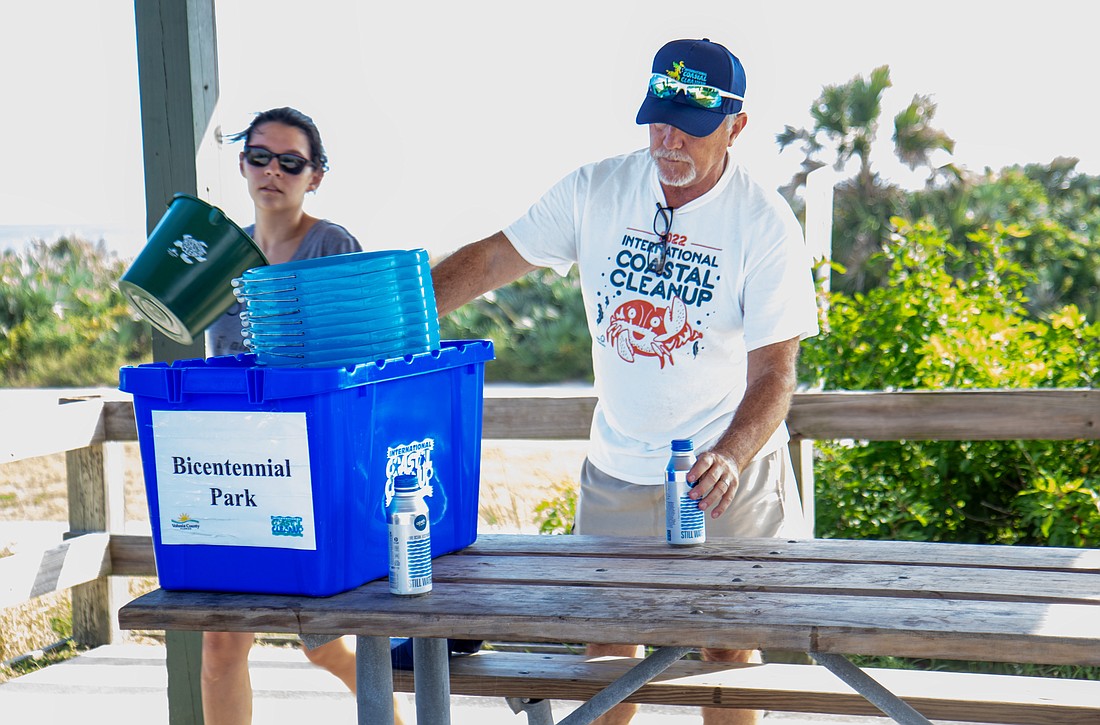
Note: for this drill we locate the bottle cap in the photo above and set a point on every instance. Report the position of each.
(683, 444)
(407, 482)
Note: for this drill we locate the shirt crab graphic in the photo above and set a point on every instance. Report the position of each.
(638, 327)
(189, 249)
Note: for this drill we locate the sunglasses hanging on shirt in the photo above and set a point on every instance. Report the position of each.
(657, 254)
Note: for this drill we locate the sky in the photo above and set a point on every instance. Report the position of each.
(443, 121)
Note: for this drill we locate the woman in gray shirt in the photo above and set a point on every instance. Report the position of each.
(282, 161)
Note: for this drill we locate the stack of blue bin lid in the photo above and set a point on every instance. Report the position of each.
(343, 309)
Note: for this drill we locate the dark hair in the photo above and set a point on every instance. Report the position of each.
(290, 117)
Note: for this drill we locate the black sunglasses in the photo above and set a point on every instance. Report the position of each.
(292, 164)
(657, 254)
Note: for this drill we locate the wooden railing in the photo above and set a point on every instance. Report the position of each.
(96, 554)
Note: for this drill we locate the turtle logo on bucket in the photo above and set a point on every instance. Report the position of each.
(189, 249)
(185, 523)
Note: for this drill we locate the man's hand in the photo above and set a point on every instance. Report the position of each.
(715, 476)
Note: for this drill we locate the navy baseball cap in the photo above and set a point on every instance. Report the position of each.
(694, 63)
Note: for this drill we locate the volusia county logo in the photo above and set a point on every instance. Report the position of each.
(637, 327)
(189, 249)
(185, 523)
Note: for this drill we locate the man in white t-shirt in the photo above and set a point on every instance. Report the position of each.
(698, 289)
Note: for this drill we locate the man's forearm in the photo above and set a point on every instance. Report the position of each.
(771, 384)
(761, 411)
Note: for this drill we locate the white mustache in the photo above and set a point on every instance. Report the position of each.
(671, 155)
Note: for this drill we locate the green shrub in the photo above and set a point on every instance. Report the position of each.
(556, 515)
(63, 321)
(537, 325)
(954, 316)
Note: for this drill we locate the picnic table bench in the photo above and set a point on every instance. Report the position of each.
(828, 598)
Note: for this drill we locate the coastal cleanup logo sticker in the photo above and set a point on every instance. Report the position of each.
(184, 522)
(189, 249)
(413, 458)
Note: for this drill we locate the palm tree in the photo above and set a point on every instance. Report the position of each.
(914, 138)
(845, 122)
(810, 148)
(846, 115)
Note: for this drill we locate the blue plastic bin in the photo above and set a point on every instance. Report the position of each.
(228, 437)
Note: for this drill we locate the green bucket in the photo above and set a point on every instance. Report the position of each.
(182, 280)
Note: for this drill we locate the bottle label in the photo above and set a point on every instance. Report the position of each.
(685, 521)
(410, 555)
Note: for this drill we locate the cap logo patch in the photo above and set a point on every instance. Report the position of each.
(693, 77)
(687, 75)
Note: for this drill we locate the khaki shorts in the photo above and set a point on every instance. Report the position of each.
(766, 504)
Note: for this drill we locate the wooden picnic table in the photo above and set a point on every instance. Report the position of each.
(825, 597)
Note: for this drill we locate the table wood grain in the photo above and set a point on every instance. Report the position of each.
(953, 601)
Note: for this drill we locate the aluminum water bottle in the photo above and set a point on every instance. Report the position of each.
(685, 523)
(410, 538)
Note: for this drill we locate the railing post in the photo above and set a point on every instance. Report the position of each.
(95, 490)
(802, 458)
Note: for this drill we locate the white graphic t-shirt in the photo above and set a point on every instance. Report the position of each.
(669, 350)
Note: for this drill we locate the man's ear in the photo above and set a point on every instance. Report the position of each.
(739, 122)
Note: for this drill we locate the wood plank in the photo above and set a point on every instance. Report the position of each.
(840, 579)
(31, 574)
(1047, 414)
(1038, 414)
(118, 420)
(777, 687)
(1039, 558)
(93, 508)
(132, 555)
(538, 418)
(522, 417)
(905, 627)
(50, 429)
